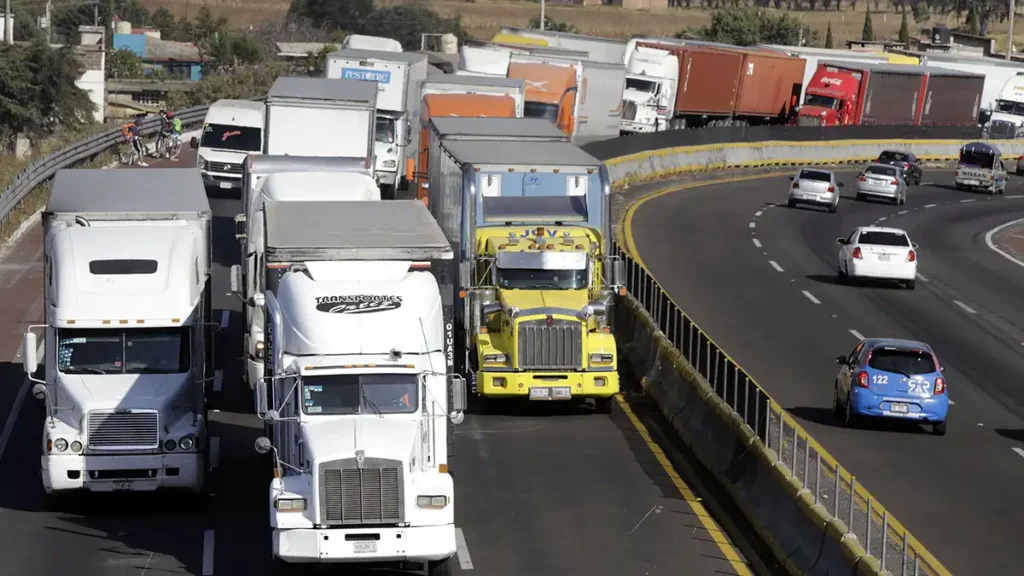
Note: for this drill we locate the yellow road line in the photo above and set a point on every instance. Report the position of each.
(716, 532)
(862, 493)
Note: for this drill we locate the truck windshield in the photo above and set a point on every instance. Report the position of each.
(228, 137)
(385, 130)
(548, 112)
(360, 394)
(641, 85)
(132, 351)
(1010, 107)
(975, 160)
(533, 279)
(821, 101)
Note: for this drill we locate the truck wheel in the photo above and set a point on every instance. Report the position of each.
(604, 405)
(440, 568)
(279, 567)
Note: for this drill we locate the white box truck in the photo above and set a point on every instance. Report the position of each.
(320, 117)
(290, 179)
(359, 397)
(128, 334)
(397, 76)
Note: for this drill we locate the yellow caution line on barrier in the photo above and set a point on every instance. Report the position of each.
(862, 494)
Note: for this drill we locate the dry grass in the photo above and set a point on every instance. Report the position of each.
(483, 18)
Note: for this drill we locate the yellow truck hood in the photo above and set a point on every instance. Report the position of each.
(554, 302)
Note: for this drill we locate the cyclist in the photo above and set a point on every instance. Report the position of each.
(165, 130)
(175, 131)
(132, 136)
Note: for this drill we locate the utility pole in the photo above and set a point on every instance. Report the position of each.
(1009, 34)
(49, 28)
(542, 14)
(8, 23)
(96, 14)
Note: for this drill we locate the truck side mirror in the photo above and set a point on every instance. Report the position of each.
(457, 385)
(236, 279)
(260, 390)
(39, 392)
(193, 143)
(30, 361)
(263, 445)
(618, 274)
(240, 227)
(491, 308)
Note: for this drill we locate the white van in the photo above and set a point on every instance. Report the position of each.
(232, 130)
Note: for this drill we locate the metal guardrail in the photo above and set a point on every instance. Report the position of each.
(833, 488)
(43, 170)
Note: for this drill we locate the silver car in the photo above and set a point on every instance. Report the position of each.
(816, 188)
(882, 181)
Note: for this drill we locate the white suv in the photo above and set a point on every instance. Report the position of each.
(878, 253)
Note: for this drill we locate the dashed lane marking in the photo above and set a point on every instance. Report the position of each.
(775, 265)
(856, 334)
(922, 277)
(208, 553)
(811, 297)
(757, 242)
(903, 212)
(462, 550)
(758, 213)
(968, 200)
(1019, 451)
(964, 307)
(930, 205)
(752, 224)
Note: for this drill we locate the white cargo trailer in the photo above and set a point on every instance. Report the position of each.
(598, 49)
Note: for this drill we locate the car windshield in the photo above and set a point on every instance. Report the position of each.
(902, 361)
(133, 351)
(815, 175)
(228, 137)
(880, 170)
(893, 157)
(821, 101)
(360, 394)
(534, 279)
(884, 239)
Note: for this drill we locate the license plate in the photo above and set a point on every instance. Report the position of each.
(367, 547)
(123, 486)
(225, 185)
(554, 393)
(972, 182)
(883, 257)
(901, 408)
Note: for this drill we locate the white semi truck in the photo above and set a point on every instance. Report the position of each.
(397, 76)
(649, 96)
(128, 333)
(359, 396)
(1007, 117)
(290, 179)
(320, 117)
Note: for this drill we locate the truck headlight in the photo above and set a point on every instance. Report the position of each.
(76, 446)
(186, 443)
(60, 444)
(495, 359)
(601, 358)
(436, 502)
(290, 504)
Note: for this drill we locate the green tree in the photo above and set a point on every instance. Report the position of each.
(829, 41)
(333, 14)
(748, 26)
(234, 48)
(553, 25)
(238, 83)
(904, 35)
(316, 62)
(123, 64)
(407, 23)
(972, 24)
(868, 33)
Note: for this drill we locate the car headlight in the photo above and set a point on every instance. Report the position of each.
(601, 358)
(186, 443)
(436, 502)
(290, 504)
(60, 444)
(203, 164)
(495, 359)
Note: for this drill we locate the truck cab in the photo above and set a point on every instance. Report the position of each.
(1007, 118)
(649, 97)
(128, 338)
(358, 398)
(830, 99)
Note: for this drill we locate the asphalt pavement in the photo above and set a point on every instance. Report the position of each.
(760, 278)
(540, 491)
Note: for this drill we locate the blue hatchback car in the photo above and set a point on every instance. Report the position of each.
(891, 378)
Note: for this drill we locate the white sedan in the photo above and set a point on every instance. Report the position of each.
(878, 253)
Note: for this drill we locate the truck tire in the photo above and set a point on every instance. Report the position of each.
(603, 405)
(440, 567)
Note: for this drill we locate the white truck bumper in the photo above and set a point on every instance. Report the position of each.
(415, 544)
(129, 473)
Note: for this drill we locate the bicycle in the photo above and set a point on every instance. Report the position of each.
(129, 155)
(168, 146)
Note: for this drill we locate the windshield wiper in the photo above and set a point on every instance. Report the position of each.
(369, 402)
(89, 369)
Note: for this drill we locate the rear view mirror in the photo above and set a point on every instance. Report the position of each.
(842, 184)
(841, 359)
(236, 279)
(193, 143)
(840, 240)
(792, 177)
(260, 391)
(29, 359)
(263, 445)
(457, 386)
(914, 244)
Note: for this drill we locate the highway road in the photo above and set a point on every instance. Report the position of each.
(760, 279)
(538, 492)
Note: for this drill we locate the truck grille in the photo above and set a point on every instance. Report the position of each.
(1002, 129)
(808, 121)
(352, 495)
(555, 347)
(628, 110)
(129, 430)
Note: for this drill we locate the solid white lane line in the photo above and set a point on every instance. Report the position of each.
(775, 265)
(214, 452)
(225, 316)
(758, 213)
(208, 553)
(922, 278)
(811, 297)
(930, 205)
(19, 400)
(751, 224)
(218, 380)
(964, 307)
(757, 242)
(856, 334)
(462, 550)
(968, 200)
(997, 249)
